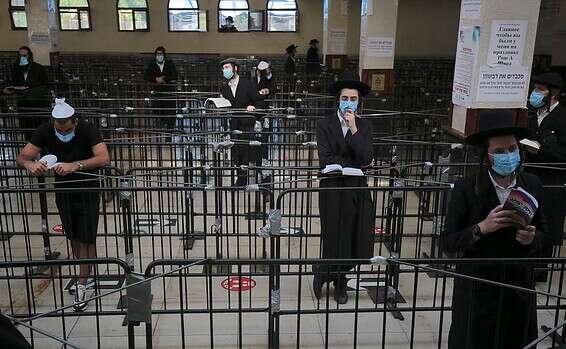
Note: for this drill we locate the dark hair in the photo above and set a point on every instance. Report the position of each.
(30, 54)
(483, 162)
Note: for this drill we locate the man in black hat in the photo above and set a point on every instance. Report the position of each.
(161, 72)
(229, 26)
(549, 128)
(242, 95)
(477, 226)
(31, 86)
(313, 60)
(346, 216)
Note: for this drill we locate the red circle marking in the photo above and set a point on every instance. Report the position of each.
(236, 284)
(58, 228)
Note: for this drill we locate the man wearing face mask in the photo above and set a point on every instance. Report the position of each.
(80, 151)
(31, 85)
(549, 128)
(161, 73)
(243, 96)
(477, 226)
(346, 216)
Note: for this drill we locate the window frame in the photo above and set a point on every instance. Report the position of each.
(198, 9)
(219, 9)
(11, 10)
(79, 10)
(133, 10)
(267, 12)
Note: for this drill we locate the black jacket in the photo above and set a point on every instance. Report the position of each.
(169, 73)
(351, 151)
(246, 95)
(260, 85)
(290, 66)
(313, 60)
(38, 82)
(478, 308)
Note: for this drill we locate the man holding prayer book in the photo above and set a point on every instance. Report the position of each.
(495, 214)
(549, 150)
(346, 216)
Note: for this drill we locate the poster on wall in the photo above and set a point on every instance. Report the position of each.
(466, 54)
(503, 84)
(337, 41)
(507, 43)
(380, 46)
(471, 9)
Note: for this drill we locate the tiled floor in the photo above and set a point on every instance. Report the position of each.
(225, 328)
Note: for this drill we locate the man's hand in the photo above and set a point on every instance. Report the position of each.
(160, 80)
(350, 119)
(497, 219)
(36, 168)
(526, 236)
(250, 108)
(264, 91)
(66, 168)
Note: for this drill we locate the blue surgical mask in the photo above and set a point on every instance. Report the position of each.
(65, 138)
(159, 58)
(506, 164)
(351, 105)
(24, 61)
(536, 99)
(228, 73)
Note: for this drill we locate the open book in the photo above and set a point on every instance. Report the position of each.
(345, 171)
(219, 102)
(529, 143)
(523, 203)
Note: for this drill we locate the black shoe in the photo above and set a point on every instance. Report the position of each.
(317, 284)
(340, 294)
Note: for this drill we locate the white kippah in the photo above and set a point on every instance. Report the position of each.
(263, 65)
(62, 110)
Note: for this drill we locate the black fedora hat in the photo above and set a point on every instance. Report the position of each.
(550, 79)
(313, 41)
(349, 79)
(496, 122)
(230, 60)
(290, 48)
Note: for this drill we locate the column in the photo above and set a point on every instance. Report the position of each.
(494, 55)
(377, 43)
(338, 17)
(559, 37)
(43, 29)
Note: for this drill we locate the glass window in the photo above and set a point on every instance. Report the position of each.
(184, 15)
(133, 15)
(74, 14)
(282, 16)
(233, 16)
(17, 11)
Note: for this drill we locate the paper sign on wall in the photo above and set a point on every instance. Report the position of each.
(337, 41)
(503, 84)
(466, 53)
(380, 46)
(471, 9)
(507, 43)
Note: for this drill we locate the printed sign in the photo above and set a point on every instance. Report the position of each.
(507, 43)
(503, 85)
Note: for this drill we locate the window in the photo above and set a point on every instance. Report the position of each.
(282, 16)
(233, 16)
(74, 15)
(185, 16)
(18, 14)
(133, 15)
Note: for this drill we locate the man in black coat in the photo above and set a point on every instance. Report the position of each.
(313, 60)
(549, 128)
(346, 216)
(477, 226)
(291, 65)
(31, 85)
(242, 95)
(161, 73)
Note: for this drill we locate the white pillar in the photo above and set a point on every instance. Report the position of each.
(43, 29)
